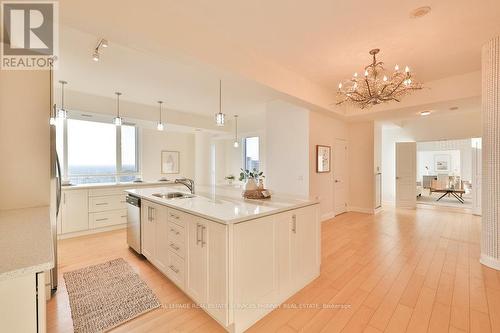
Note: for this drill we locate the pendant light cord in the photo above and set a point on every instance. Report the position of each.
(236, 128)
(220, 96)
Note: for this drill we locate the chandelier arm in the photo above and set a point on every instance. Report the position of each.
(399, 84)
(368, 87)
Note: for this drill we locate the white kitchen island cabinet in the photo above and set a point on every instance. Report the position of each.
(237, 270)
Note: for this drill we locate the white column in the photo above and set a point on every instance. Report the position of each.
(490, 234)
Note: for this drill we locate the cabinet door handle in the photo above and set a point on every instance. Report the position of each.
(294, 223)
(172, 267)
(174, 216)
(174, 231)
(104, 219)
(198, 238)
(175, 247)
(124, 216)
(101, 203)
(203, 242)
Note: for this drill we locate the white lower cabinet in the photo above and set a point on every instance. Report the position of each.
(196, 284)
(236, 272)
(274, 257)
(74, 211)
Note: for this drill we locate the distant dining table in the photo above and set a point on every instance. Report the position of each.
(455, 192)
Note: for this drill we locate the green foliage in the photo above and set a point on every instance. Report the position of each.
(254, 174)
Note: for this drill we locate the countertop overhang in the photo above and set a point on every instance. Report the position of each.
(223, 206)
(26, 242)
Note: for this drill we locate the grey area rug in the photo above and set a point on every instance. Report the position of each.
(106, 295)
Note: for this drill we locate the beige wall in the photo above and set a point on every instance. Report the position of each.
(323, 130)
(153, 142)
(287, 148)
(361, 166)
(24, 139)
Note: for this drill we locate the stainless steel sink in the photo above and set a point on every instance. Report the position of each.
(173, 195)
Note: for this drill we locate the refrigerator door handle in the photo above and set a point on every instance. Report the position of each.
(59, 184)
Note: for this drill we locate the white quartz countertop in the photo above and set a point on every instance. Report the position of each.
(108, 185)
(26, 243)
(223, 205)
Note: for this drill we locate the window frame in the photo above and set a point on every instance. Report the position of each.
(245, 167)
(118, 153)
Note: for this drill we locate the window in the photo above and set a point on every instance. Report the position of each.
(93, 155)
(252, 153)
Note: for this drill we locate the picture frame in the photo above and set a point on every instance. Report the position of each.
(323, 158)
(442, 163)
(170, 162)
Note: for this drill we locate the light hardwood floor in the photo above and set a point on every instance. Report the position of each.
(397, 271)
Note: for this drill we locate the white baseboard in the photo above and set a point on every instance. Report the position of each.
(490, 262)
(360, 210)
(327, 216)
(91, 231)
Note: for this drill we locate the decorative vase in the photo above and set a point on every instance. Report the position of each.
(250, 185)
(261, 184)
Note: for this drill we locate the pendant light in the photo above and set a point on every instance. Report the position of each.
(160, 126)
(62, 113)
(236, 144)
(220, 118)
(118, 120)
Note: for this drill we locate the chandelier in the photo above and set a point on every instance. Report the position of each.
(374, 87)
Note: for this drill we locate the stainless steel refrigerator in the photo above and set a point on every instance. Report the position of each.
(55, 185)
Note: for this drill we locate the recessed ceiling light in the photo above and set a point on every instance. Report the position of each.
(453, 108)
(425, 113)
(420, 12)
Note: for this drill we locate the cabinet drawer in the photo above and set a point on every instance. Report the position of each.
(108, 202)
(105, 219)
(177, 217)
(177, 248)
(98, 192)
(175, 269)
(176, 233)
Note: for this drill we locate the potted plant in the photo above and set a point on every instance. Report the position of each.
(230, 179)
(251, 178)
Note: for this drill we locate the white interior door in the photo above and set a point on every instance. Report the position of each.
(406, 174)
(340, 176)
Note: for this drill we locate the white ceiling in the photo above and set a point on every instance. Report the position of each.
(146, 78)
(322, 40)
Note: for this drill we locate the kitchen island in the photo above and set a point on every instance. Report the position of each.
(237, 259)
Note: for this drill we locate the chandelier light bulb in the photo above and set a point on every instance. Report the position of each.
(356, 74)
(95, 56)
(407, 69)
(385, 78)
(366, 72)
(340, 85)
(355, 86)
(396, 68)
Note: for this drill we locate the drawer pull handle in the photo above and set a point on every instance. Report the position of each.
(172, 267)
(175, 247)
(101, 203)
(124, 216)
(174, 216)
(104, 219)
(174, 231)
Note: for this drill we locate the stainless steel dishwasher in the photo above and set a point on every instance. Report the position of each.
(134, 223)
